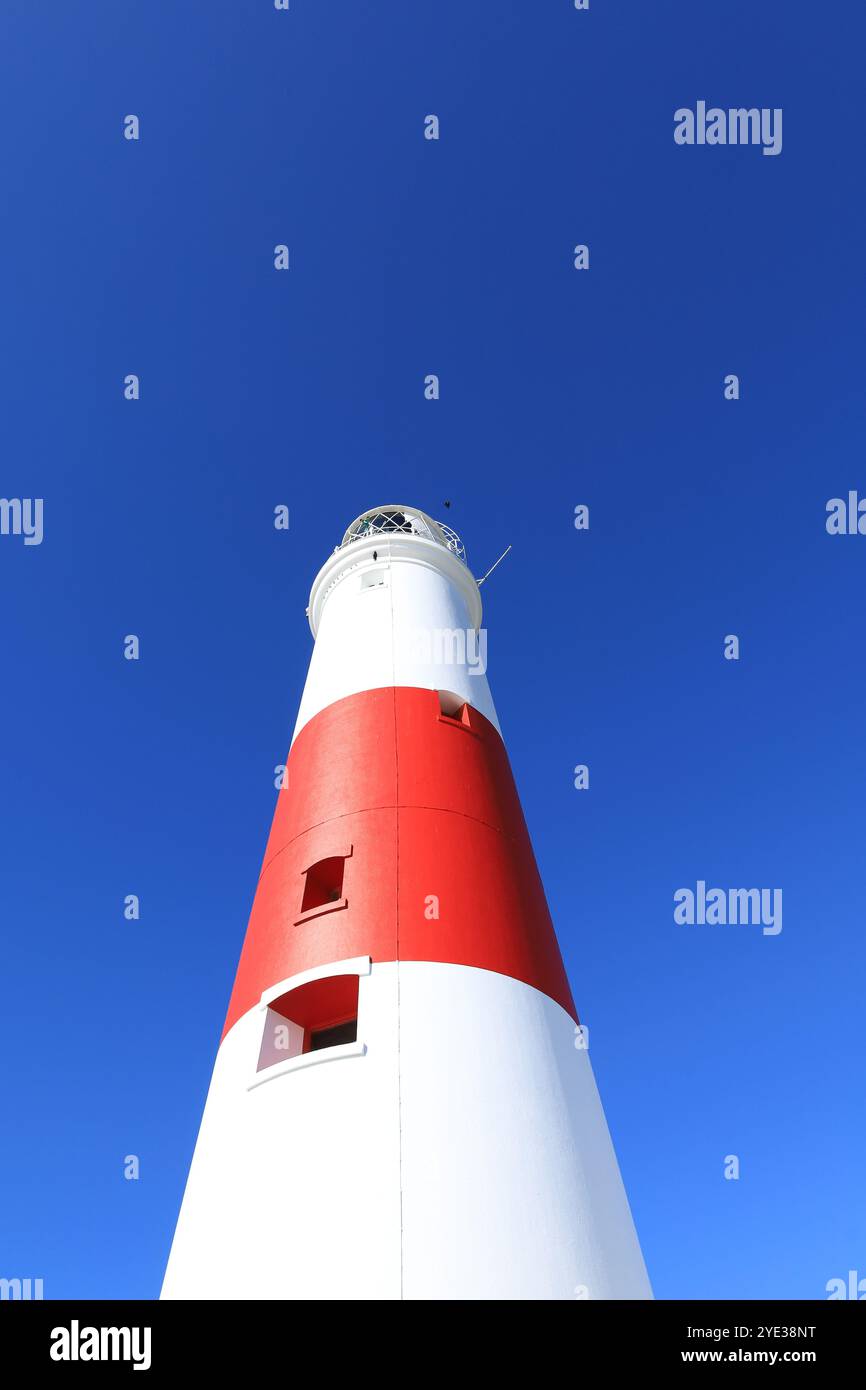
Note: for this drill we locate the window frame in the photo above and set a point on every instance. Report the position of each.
(338, 904)
(356, 965)
(464, 719)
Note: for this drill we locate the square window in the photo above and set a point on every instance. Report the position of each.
(312, 1017)
(323, 883)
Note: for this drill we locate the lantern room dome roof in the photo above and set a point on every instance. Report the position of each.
(407, 521)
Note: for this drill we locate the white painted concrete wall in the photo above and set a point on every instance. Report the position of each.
(471, 1121)
(397, 633)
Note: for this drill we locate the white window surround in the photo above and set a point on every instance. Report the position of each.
(309, 1059)
(356, 965)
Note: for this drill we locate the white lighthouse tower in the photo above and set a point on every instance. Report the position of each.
(401, 1105)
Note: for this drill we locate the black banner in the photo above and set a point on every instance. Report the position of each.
(163, 1338)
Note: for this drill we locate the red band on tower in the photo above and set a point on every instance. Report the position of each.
(393, 813)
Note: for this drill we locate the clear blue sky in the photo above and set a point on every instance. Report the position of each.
(605, 648)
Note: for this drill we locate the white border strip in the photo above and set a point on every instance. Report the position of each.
(309, 1059)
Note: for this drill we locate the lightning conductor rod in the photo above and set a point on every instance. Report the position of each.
(480, 581)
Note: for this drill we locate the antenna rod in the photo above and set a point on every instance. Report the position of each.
(480, 581)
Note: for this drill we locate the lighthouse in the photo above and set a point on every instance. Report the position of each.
(402, 1105)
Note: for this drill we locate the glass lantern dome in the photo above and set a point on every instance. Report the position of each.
(408, 521)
